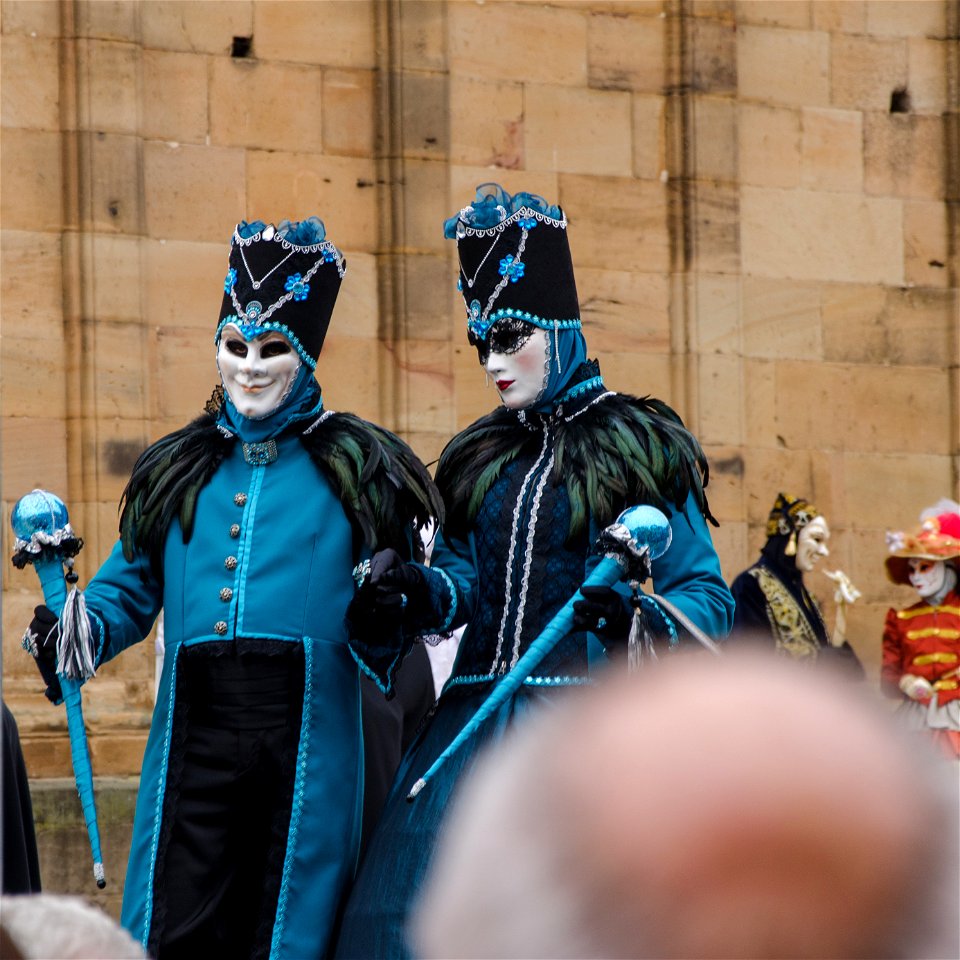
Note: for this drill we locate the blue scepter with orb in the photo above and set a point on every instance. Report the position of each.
(639, 535)
(46, 541)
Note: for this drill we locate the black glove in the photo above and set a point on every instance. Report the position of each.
(400, 588)
(42, 637)
(394, 591)
(603, 612)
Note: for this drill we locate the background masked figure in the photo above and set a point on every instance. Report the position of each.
(526, 490)
(772, 599)
(245, 526)
(921, 644)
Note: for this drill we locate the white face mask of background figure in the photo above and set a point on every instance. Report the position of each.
(521, 375)
(256, 374)
(812, 544)
(927, 577)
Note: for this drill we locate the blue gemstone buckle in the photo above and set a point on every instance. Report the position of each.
(260, 454)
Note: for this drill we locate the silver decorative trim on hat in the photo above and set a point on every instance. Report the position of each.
(323, 246)
(523, 213)
(254, 313)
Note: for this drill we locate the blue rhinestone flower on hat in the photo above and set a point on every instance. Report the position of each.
(229, 280)
(511, 268)
(295, 285)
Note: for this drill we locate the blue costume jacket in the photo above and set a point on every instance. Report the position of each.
(270, 557)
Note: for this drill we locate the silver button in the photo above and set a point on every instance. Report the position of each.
(226, 593)
(220, 627)
(239, 499)
(235, 531)
(230, 563)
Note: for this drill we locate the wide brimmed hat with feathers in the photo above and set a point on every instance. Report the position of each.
(284, 278)
(514, 261)
(937, 538)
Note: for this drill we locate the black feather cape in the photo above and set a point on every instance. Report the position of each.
(610, 453)
(385, 490)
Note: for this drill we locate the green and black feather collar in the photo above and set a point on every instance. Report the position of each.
(385, 490)
(611, 451)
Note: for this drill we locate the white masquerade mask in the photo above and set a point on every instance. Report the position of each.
(812, 544)
(257, 374)
(927, 577)
(520, 375)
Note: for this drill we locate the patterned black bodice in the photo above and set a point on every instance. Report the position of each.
(526, 571)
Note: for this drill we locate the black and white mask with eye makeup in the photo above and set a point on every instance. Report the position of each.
(516, 356)
(257, 374)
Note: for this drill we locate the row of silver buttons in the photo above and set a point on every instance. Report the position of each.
(226, 593)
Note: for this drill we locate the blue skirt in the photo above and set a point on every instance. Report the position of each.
(401, 849)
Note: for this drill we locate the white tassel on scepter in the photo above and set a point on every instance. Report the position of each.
(76, 649)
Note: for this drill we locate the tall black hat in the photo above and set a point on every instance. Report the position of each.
(514, 261)
(283, 278)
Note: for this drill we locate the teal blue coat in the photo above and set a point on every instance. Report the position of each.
(294, 551)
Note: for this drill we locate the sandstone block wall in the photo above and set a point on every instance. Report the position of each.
(763, 203)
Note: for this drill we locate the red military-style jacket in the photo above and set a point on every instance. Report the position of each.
(924, 640)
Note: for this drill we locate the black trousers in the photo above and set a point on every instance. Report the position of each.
(228, 803)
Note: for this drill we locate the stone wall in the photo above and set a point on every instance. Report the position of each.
(763, 203)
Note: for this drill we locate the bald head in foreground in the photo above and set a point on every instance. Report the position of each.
(731, 807)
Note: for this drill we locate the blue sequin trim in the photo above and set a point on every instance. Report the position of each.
(653, 607)
(453, 600)
(580, 389)
(557, 681)
(158, 811)
(248, 519)
(370, 673)
(471, 678)
(480, 326)
(529, 682)
(251, 331)
(101, 637)
(296, 812)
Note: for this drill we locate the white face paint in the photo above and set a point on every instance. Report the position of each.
(927, 577)
(521, 376)
(258, 374)
(812, 544)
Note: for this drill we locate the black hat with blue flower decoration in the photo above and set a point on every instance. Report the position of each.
(284, 278)
(514, 261)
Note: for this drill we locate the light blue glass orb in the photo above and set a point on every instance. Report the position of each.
(649, 527)
(38, 512)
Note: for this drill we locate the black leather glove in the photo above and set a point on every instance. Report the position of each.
(42, 637)
(394, 591)
(400, 588)
(604, 613)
